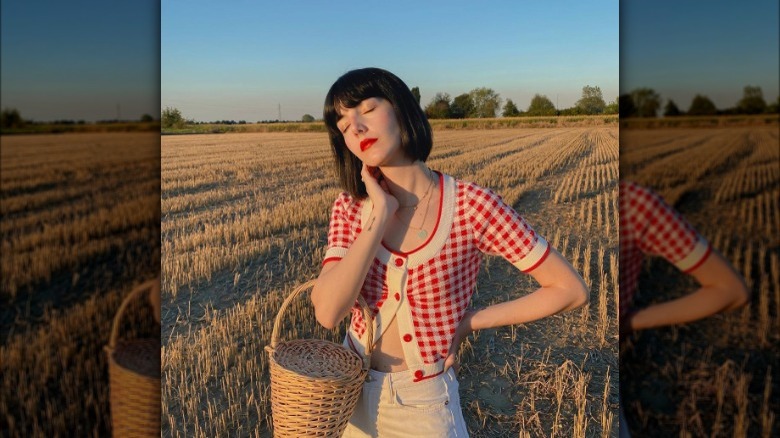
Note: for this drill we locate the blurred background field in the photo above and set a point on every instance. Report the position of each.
(244, 220)
(716, 377)
(80, 228)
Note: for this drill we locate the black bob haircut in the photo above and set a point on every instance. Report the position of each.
(351, 89)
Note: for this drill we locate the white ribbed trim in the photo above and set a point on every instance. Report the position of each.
(531, 259)
(700, 251)
(335, 252)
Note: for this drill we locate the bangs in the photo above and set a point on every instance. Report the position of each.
(348, 91)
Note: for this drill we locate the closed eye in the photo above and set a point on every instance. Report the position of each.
(344, 130)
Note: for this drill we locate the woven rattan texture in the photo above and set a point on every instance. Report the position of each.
(318, 359)
(135, 403)
(315, 384)
(134, 376)
(305, 406)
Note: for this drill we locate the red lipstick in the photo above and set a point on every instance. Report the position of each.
(366, 143)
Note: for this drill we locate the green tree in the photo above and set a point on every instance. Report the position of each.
(626, 107)
(612, 107)
(439, 108)
(774, 107)
(147, 118)
(702, 106)
(541, 106)
(671, 109)
(416, 94)
(752, 101)
(592, 101)
(462, 107)
(646, 101)
(307, 118)
(172, 118)
(573, 111)
(510, 109)
(10, 118)
(486, 102)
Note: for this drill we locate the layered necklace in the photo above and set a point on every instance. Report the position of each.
(421, 232)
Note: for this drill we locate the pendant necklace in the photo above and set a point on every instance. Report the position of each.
(421, 232)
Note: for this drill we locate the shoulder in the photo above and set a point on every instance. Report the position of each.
(345, 200)
(640, 204)
(635, 194)
(474, 194)
(347, 204)
(480, 202)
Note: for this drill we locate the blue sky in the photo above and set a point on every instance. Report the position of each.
(243, 61)
(90, 60)
(682, 48)
(80, 59)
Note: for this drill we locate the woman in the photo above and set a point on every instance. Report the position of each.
(410, 240)
(648, 226)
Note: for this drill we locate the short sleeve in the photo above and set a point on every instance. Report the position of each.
(662, 231)
(500, 230)
(340, 234)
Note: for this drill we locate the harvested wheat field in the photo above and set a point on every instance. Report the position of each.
(716, 377)
(79, 230)
(244, 220)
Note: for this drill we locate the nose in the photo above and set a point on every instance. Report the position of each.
(357, 126)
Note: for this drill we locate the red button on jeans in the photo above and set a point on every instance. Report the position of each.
(408, 337)
(399, 262)
(418, 374)
(397, 296)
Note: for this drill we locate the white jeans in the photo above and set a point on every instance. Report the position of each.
(393, 405)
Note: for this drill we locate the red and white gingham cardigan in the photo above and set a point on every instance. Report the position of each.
(649, 226)
(428, 289)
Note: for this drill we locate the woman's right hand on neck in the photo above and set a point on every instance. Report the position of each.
(378, 191)
(340, 281)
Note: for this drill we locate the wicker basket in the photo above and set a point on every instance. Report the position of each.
(315, 384)
(134, 376)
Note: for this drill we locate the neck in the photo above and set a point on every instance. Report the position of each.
(408, 182)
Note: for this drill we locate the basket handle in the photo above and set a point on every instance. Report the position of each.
(143, 287)
(309, 284)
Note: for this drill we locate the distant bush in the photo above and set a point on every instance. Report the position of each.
(11, 119)
(172, 118)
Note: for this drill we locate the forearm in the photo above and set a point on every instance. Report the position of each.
(337, 289)
(703, 302)
(722, 288)
(543, 302)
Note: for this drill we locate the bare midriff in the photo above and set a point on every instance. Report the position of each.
(388, 354)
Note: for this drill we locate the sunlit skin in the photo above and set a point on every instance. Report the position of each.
(392, 178)
(722, 289)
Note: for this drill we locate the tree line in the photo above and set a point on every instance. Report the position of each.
(486, 103)
(10, 118)
(646, 102)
